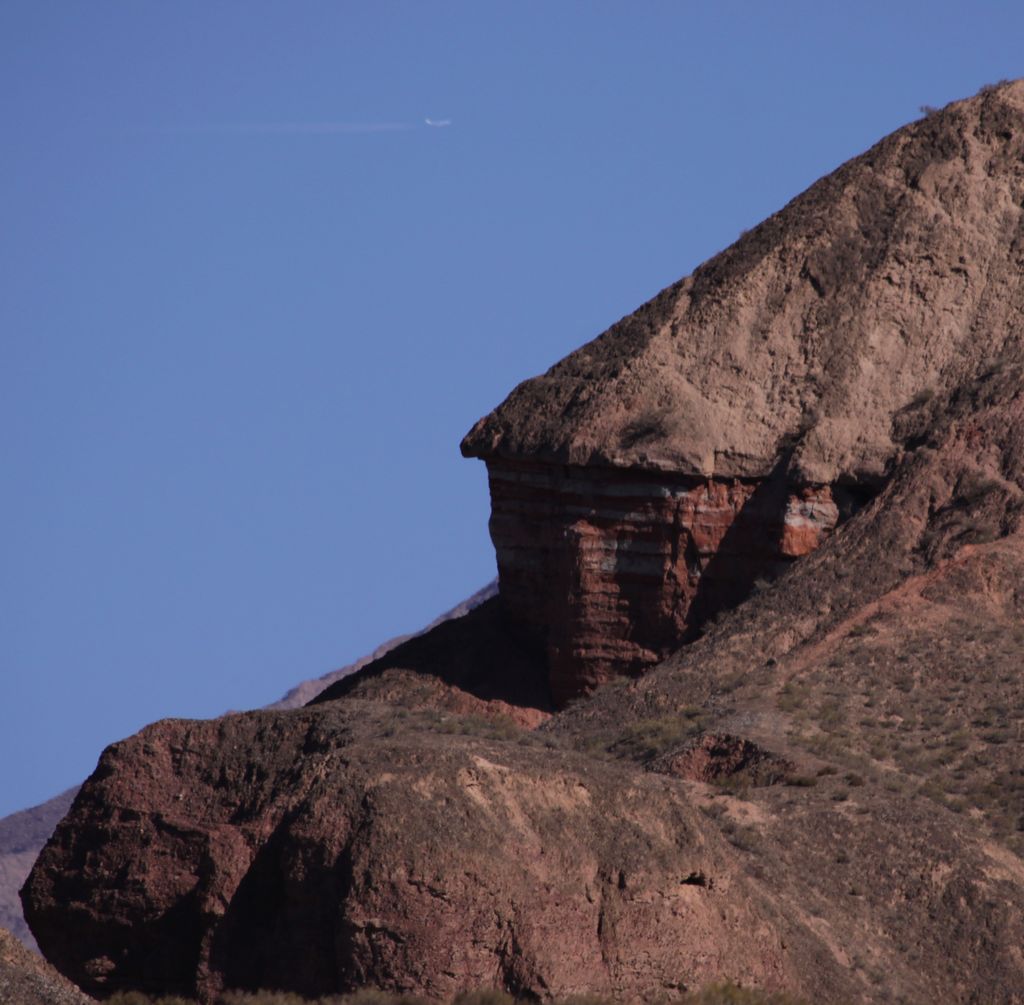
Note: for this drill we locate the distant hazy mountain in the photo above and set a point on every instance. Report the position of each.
(309, 689)
(21, 836)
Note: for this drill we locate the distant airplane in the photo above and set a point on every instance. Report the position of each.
(438, 122)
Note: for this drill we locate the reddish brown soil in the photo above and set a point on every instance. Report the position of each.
(823, 793)
(27, 979)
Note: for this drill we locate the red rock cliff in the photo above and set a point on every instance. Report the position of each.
(393, 836)
(610, 569)
(646, 480)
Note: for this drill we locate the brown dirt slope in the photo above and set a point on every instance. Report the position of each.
(21, 836)
(898, 274)
(27, 979)
(824, 794)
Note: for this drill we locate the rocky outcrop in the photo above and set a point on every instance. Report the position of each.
(821, 793)
(895, 275)
(618, 476)
(607, 571)
(723, 759)
(23, 834)
(415, 861)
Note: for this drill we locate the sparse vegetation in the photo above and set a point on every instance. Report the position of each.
(496, 728)
(907, 712)
(647, 738)
(715, 994)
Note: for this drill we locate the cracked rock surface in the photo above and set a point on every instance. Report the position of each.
(821, 791)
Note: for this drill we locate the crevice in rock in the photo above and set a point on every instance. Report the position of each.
(606, 571)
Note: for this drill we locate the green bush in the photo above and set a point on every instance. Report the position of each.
(645, 739)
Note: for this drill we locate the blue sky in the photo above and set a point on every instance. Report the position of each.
(243, 328)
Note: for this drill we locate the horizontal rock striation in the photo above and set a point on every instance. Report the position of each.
(635, 485)
(403, 833)
(609, 570)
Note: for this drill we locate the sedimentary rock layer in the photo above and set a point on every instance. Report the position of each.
(609, 570)
(635, 485)
(871, 330)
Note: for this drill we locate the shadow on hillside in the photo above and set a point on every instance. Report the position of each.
(476, 653)
(748, 553)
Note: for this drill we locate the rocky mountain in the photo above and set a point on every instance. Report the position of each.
(748, 704)
(728, 425)
(23, 834)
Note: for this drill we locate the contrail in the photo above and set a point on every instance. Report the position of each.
(324, 127)
(298, 128)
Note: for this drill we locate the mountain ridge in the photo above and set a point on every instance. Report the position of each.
(782, 734)
(23, 833)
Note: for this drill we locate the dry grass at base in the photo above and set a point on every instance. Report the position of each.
(717, 994)
(940, 714)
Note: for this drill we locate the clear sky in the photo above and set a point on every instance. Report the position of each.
(250, 300)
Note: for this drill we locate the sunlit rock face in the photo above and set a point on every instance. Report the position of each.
(645, 481)
(404, 834)
(611, 569)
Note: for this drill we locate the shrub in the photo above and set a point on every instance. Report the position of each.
(730, 994)
(484, 997)
(647, 738)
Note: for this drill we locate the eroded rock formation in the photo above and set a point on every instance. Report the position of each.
(409, 831)
(416, 861)
(608, 570)
(644, 482)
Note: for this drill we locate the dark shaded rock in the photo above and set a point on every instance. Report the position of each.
(720, 758)
(631, 483)
(471, 665)
(305, 691)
